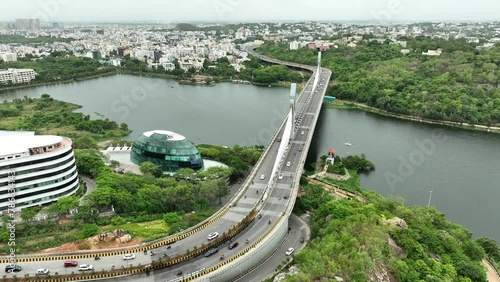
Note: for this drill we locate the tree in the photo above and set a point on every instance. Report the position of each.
(63, 205)
(357, 162)
(27, 214)
(101, 197)
(89, 162)
(86, 214)
(473, 250)
(171, 218)
(222, 189)
(151, 169)
(85, 142)
(490, 247)
(89, 230)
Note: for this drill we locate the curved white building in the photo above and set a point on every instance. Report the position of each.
(35, 170)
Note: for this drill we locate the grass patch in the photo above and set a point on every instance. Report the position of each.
(197, 217)
(351, 185)
(150, 230)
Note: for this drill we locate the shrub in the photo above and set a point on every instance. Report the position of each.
(90, 230)
(117, 220)
(171, 218)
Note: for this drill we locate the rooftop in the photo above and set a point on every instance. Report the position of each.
(18, 143)
(169, 135)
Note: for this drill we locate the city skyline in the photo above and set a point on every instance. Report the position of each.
(377, 11)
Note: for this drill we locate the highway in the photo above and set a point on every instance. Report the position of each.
(272, 208)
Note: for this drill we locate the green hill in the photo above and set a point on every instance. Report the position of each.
(383, 240)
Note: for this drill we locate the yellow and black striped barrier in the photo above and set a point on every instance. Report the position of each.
(76, 277)
(246, 250)
(110, 253)
(142, 269)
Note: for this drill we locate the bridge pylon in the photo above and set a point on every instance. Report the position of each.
(293, 92)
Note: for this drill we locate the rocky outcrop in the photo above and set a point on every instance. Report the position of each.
(395, 249)
(124, 239)
(109, 237)
(381, 274)
(328, 218)
(398, 222)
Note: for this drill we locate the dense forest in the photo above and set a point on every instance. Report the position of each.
(460, 85)
(384, 240)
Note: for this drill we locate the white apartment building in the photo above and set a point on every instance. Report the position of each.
(17, 75)
(35, 170)
(8, 57)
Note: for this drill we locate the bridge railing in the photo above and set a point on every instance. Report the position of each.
(158, 242)
(261, 243)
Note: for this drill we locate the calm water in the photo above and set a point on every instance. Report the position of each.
(461, 168)
(225, 114)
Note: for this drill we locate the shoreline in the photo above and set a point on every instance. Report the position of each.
(143, 74)
(349, 105)
(338, 104)
(57, 82)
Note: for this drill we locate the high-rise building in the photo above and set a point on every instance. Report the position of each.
(35, 170)
(121, 51)
(27, 24)
(157, 55)
(96, 54)
(8, 56)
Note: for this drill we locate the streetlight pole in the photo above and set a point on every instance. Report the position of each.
(430, 197)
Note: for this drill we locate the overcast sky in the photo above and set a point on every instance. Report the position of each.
(383, 11)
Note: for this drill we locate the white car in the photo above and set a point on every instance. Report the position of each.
(289, 251)
(302, 132)
(288, 164)
(128, 256)
(84, 267)
(263, 176)
(212, 235)
(42, 271)
(280, 176)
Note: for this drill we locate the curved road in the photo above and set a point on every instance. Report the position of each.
(272, 209)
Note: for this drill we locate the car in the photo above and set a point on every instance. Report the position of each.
(42, 271)
(128, 256)
(84, 267)
(233, 245)
(280, 176)
(289, 251)
(211, 252)
(302, 132)
(9, 268)
(279, 139)
(212, 235)
(263, 176)
(70, 263)
(288, 163)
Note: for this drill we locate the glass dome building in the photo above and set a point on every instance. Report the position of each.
(168, 150)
